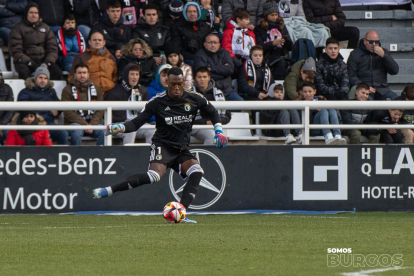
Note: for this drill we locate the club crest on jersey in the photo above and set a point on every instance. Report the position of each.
(187, 107)
(158, 157)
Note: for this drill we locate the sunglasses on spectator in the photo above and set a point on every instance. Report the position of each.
(373, 41)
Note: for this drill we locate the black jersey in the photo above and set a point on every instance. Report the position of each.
(174, 118)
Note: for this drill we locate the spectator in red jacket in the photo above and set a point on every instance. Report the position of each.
(28, 137)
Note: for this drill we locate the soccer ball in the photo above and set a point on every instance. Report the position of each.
(174, 212)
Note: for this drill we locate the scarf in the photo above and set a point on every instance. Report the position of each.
(61, 41)
(92, 96)
(27, 135)
(135, 97)
(250, 72)
(218, 96)
(273, 33)
(242, 42)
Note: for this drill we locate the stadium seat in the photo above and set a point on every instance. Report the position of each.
(59, 85)
(240, 118)
(17, 86)
(3, 68)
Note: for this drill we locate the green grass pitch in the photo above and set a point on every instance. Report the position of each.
(217, 245)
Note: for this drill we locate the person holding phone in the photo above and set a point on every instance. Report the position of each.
(370, 63)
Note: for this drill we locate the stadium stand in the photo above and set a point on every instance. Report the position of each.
(240, 118)
(396, 31)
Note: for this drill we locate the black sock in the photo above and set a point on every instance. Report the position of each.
(132, 181)
(190, 189)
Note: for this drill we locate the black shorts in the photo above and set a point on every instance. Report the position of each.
(169, 156)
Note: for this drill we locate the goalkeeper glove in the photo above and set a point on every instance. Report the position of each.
(219, 139)
(112, 129)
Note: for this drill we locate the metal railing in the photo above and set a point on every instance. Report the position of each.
(305, 106)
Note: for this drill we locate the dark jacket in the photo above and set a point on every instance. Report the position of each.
(321, 11)
(220, 72)
(378, 117)
(188, 36)
(261, 38)
(156, 36)
(364, 66)
(52, 12)
(29, 41)
(34, 93)
(6, 95)
(355, 116)
(122, 92)
(225, 115)
(116, 35)
(87, 12)
(247, 91)
(332, 79)
(269, 117)
(12, 12)
(147, 64)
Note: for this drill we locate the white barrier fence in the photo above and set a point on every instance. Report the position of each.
(305, 106)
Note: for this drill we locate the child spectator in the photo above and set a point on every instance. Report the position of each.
(323, 117)
(392, 117)
(360, 116)
(408, 95)
(70, 42)
(303, 70)
(284, 116)
(138, 52)
(210, 15)
(28, 137)
(255, 78)
(273, 36)
(237, 38)
(175, 59)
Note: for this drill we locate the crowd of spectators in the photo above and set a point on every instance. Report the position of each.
(122, 50)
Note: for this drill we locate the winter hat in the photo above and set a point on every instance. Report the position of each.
(42, 69)
(176, 8)
(24, 113)
(193, 4)
(172, 49)
(270, 7)
(309, 65)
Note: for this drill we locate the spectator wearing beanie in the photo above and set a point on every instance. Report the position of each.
(152, 32)
(189, 33)
(10, 14)
(31, 43)
(174, 11)
(138, 52)
(176, 60)
(272, 35)
(40, 88)
(28, 137)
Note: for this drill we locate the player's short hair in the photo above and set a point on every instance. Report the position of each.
(94, 32)
(113, 4)
(81, 65)
(256, 48)
(176, 71)
(308, 84)
(331, 40)
(202, 70)
(134, 67)
(149, 7)
(241, 14)
(362, 85)
(409, 92)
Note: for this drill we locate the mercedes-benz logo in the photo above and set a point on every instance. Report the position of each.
(204, 182)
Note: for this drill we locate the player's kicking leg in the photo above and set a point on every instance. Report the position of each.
(154, 174)
(194, 173)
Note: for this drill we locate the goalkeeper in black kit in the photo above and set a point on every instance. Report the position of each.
(175, 110)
